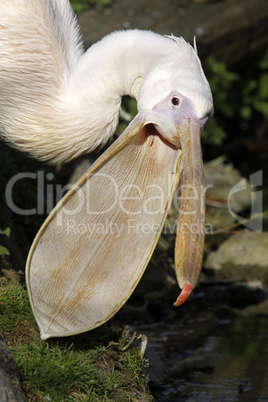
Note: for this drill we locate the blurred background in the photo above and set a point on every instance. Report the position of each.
(215, 347)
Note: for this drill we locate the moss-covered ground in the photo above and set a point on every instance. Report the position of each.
(88, 367)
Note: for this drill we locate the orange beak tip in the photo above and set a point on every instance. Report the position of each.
(185, 293)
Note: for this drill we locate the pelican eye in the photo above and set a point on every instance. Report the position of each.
(175, 101)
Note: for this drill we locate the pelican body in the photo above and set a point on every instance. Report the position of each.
(58, 102)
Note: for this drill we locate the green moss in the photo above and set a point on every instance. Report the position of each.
(62, 372)
(81, 5)
(15, 308)
(83, 368)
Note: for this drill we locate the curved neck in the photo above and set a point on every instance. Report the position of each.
(118, 59)
(81, 112)
(91, 97)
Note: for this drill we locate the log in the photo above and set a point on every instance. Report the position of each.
(233, 31)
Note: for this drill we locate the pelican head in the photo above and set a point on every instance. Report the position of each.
(181, 75)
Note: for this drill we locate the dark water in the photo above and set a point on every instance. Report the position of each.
(216, 349)
(212, 353)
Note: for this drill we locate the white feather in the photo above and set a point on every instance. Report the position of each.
(57, 102)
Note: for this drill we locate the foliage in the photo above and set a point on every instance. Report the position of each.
(237, 97)
(81, 5)
(5, 232)
(128, 111)
(83, 370)
(221, 83)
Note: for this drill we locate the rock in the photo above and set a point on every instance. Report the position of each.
(220, 178)
(222, 206)
(242, 256)
(10, 388)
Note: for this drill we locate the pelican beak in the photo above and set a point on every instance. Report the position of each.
(92, 250)
(182, 130)
(191, 223)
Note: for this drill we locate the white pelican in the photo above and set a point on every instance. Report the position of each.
(58, 102)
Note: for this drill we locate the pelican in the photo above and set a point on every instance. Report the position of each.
(57, 102)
